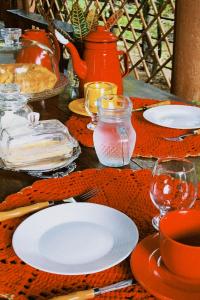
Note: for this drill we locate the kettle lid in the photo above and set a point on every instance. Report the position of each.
(34, 31)
(101, 35)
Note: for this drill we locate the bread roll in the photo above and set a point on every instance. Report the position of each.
(30, 77)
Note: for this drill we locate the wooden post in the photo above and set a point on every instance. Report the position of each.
(186, 62)
(25, 5)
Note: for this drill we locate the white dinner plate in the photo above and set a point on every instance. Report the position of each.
(174, 116)
(75, 238)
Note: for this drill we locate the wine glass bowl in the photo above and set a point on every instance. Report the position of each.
(11, 36)
(92, 91)
(173, 187)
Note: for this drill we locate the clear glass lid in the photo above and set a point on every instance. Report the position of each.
(32, 63)
(114, 106)
(41, 144)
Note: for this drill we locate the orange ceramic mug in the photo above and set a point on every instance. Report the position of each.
(180, 242)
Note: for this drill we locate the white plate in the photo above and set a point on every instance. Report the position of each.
(174, 116)
(75, 238)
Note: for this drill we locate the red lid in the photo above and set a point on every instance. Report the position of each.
(101, 35)
(35, 30)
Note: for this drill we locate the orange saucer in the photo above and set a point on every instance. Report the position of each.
(149, 270)
(77, 106)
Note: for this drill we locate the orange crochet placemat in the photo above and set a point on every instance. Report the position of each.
(125, 190)
(149, 141)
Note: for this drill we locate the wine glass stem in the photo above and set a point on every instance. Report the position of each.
(162, 213)
(156, 219)
(94, 119)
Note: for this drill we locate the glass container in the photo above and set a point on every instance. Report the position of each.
(14, 110)
(114, 136)
(33, 64)
(41, 145)
(11, 36)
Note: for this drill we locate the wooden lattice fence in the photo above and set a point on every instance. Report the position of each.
(145, 30)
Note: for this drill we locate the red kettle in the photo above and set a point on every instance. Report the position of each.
(100, 58)
(41, 48)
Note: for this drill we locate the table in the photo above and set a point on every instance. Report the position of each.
(56, 107)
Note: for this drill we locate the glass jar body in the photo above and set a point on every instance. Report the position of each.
(113, 149)
(114, 136)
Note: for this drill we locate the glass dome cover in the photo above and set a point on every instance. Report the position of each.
(40, 146)
(33, 64)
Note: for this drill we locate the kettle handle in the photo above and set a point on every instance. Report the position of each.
(125, 57)
(57, 46)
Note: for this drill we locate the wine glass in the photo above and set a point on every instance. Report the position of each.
(92, 92)
(11, 36)
(174, 186)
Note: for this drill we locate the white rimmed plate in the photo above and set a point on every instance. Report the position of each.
(75, 238)
(174, 116)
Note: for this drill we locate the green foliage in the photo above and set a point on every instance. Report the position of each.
(92, 19)
(78, 21)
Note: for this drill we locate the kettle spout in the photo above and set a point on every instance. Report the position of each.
(79, 65)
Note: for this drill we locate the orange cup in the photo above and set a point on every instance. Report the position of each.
(180, 242)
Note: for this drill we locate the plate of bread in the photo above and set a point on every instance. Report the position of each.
(35, 81)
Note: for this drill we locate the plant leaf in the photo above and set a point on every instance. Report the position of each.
(78, 22)
(113, 19)
(92, 19)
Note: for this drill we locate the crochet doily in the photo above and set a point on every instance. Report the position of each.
(118, 189)
(150, 140)
(125, 190)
